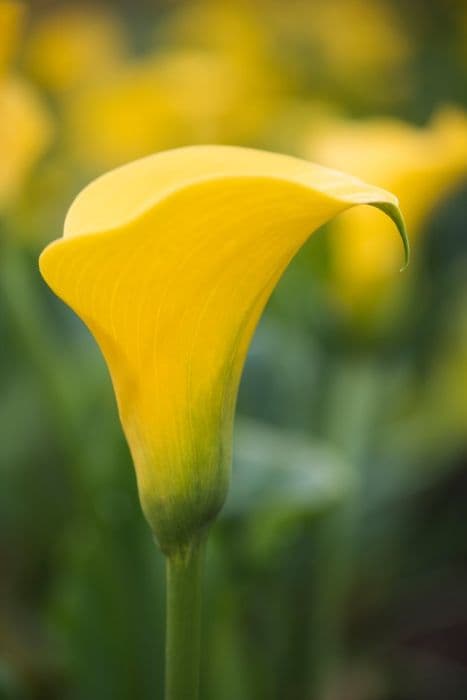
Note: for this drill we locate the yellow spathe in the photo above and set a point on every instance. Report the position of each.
(170, 261)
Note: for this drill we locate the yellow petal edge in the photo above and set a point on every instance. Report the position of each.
(170, 261)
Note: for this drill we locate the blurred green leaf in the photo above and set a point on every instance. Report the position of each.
(279, 470)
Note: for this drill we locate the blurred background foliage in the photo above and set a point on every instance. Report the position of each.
(338, 570)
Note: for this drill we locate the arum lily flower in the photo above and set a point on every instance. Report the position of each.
(170, 261)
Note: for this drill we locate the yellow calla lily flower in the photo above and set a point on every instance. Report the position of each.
(170, 261)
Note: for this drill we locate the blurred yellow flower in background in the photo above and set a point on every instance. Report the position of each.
(170, 261)
(420, 165)
(71, 44)
(235, 30)
(25, 132)
(237, 37)
(212, 96)
(358, 38)
(25, 126)
(358, 48)
(123, 116)
(210, 80)
(160, 101)
(11, 16)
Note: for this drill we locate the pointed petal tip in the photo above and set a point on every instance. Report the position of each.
(394, 213)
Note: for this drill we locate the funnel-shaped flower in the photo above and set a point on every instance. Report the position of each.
(170, 261)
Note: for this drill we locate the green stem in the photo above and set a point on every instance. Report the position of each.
(183, 643)
(354, 401)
